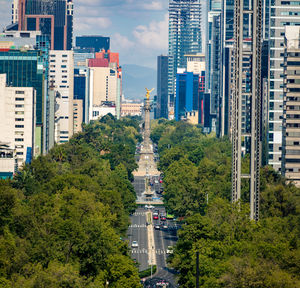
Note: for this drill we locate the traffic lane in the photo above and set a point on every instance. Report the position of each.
(138, 232)
(159, 246)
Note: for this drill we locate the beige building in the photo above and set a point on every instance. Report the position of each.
(195, 63)
(103, 90)
(17, 123)
(14, 10)
(291, 105)
(61, 76)
(131, 109)
(78, 115)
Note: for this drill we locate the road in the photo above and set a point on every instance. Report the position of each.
(138, 229)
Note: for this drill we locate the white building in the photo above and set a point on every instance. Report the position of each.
(61, 77)
(17, 123)
(14, 11)
(283, 13)
(103, 91)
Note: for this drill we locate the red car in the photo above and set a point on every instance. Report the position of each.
(163, 218)
(155, 217)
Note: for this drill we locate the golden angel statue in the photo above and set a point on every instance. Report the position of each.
(148, 93)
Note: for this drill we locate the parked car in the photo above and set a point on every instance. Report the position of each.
(134, 244)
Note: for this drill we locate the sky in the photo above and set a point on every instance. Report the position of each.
(138, 28)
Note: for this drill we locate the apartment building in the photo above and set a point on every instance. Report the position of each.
(61, 78)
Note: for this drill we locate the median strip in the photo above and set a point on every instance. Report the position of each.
(151, 242)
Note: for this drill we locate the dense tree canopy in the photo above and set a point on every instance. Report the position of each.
(63, 217)
(235, 252)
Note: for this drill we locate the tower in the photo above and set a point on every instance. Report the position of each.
(184, 38)
(252, 10)
(53, 18)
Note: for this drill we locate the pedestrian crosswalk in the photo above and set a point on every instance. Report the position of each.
(145, 251)
(139, 214)
(137, 226)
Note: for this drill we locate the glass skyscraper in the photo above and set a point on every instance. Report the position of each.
(184, 38)
(53, 18)
(162, 86)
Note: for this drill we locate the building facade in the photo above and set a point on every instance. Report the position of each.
(53, 18)
(162, 86)
(291, 105)
(184, 38)
(92, 44)
(17, 122)
(61, 77)
(283, 13)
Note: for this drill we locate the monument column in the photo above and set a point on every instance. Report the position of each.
(147, 109)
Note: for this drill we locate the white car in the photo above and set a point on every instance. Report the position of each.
(170, 250)
(134, 244)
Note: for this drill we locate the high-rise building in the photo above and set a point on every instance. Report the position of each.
(283, 13)
(17, 124)
(61, 78)
(92, 44)
(53, 18)
(187, 95)
(26, 69)
(291, 105)
(184, 38)
(162, 86)
(14, 11)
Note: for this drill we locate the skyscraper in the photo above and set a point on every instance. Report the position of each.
(291, 105)
(53, 18)
(162, 87)
(184, 38)
(14, 11)
(283, 13)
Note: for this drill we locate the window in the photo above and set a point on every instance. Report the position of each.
(19, 153)
(19, 112)
(20, 92)
(19, 139)
(19, 119)
(19, 126)
(64, 56)
(19, 99)
(63, 66)
(19, 105)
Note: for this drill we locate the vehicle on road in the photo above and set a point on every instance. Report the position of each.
(155, 217)
(163, 218)
(156, 181)
(156, 211)
(170, 250)
(164, 226)
(134, 244)
(156, 227)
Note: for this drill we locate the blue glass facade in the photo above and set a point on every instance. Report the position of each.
(187, 94)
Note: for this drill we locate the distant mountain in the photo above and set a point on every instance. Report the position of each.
(135, 79)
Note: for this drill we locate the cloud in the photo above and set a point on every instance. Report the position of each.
(154, 5)
(90, 23)
(119, 42)
(155, 35)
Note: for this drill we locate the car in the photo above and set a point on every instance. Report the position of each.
(156, 181)
(170, 250)
(155, 217)
(163, 218)
(164, 226)
(146, 206)
(134, 244)
(156, 211)
(156, 227)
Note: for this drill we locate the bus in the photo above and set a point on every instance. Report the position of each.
(170, 216)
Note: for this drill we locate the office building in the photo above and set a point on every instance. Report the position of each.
(103, 91)
(283, 13)
(184, 38)
(162, 86)
(92, 44)
(31, 73)
(17, 126)
(61, 78)
(54, 18)
(187, 94)
(131, 109)
(291, 105)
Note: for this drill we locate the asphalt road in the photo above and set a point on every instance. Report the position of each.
(138, 232)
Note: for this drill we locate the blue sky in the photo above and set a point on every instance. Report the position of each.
(138, 28)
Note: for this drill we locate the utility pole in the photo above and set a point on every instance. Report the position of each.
(253, 12)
